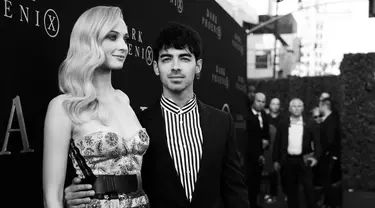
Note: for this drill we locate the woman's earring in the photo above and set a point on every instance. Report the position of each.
(198, 76)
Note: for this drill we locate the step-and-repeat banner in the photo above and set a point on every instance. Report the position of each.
(34, 40)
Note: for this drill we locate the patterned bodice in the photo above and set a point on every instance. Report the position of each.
(107, 153)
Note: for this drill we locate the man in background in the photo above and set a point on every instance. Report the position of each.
(330, 134)
(258, 140)
(294, 156)
(273, 118)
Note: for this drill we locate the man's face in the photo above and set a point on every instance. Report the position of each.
(296, 107)
(177, 69)
(275, 105)
(259, 102)
(251, 93)
(322, 108)
(316, 115)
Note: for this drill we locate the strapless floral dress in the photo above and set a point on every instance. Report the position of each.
(107, 153)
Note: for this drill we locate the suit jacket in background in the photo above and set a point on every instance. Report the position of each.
(310, 143)
(330, 135)
(220, 182)
(256, 134)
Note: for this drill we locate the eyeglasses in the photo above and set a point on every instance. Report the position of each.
(317, 117)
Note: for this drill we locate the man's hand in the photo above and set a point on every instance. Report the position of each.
(78, 195)
(276, 166)
(265, 144)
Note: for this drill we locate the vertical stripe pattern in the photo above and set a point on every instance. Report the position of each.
(184, 139)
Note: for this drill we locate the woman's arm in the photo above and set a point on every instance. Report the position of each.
(57, 134)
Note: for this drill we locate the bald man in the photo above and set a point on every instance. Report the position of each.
(296, 151)
(258, 140)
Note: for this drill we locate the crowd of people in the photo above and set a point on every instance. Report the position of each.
(295, 149)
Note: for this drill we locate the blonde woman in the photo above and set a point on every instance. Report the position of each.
(91, 121)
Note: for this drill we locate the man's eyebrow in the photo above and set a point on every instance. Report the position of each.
(165, 55)
(186, 54)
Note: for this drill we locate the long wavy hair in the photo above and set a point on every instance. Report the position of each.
(84, 56)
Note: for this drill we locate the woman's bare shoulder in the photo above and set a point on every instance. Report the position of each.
(56, 103)
(124, 97)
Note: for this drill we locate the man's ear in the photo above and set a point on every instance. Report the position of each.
(156, 68)
(198, 66)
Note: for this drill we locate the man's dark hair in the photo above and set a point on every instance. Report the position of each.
(325, 92)
(178, 36)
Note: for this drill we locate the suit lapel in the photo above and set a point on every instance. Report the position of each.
(207, 139)
(305, 137)
(286, 136)
(159, 140)
(256, 119)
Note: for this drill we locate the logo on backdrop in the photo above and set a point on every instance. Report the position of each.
(179, 4)
(239, 121)
(32, 15)
(220, 77)
(240, 84)
(51, 23)
(16, 110)
(225, 108)
(137, 48)
(237, 43)
(210, 21)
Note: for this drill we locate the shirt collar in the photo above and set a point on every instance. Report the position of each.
(171, 106)
(254, 111)
(298, 121)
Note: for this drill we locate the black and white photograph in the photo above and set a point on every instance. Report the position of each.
(188, 104)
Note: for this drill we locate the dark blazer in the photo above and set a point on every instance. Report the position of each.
(330, 135)
(220, 181)
(255, 135)
(311, 138)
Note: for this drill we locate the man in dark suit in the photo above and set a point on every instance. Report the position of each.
(273, 119)
(258, 139)
(294, 155)
(330, 136)
(192, 160)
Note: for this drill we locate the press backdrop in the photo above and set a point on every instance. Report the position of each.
(34, 38)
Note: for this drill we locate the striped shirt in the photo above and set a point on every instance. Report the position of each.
(184, 139)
